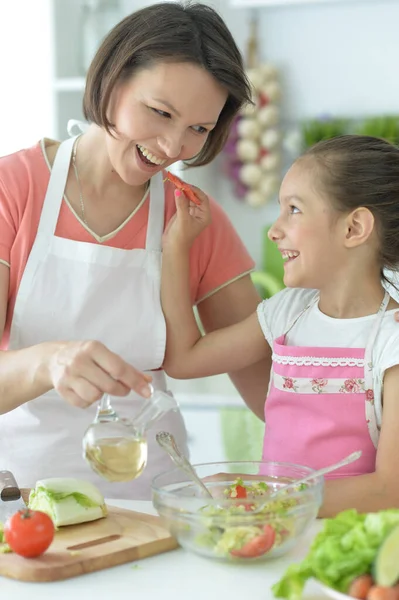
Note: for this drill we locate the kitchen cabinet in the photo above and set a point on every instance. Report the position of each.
(278, 3)
(78, 27)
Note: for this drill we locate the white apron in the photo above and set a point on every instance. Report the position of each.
(80, 291)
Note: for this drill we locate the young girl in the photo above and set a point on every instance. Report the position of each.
(330, 336)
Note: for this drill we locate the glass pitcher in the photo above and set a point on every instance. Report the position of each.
(115, 447)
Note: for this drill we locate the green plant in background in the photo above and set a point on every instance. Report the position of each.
(316, 130)
(269, 280)
(242, 434)
(383, 127)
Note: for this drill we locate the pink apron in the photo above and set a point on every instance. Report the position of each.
(320, 406)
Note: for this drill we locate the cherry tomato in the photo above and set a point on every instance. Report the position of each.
(29, 532)
(360, 587)
(258, 546)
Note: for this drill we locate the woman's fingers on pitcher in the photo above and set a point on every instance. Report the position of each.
(70, 396)
(102, 380)
(85, 390)
(121, 371)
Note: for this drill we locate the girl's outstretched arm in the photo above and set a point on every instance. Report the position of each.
(378, 490)
(188, 354)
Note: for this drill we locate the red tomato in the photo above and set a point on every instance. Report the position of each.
(241, 491)
(258, 546)
(29, 532)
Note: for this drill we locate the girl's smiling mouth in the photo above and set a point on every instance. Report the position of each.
(289, 255)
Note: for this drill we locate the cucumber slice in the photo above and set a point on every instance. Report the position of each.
(386, 564)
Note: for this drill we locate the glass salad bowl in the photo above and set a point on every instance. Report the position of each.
(238, 523)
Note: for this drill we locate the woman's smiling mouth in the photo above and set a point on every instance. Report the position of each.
(148, 158)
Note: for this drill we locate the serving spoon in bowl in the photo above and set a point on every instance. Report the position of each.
(168, 443)
(293, 484)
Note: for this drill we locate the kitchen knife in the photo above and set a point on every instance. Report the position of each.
(10, 496)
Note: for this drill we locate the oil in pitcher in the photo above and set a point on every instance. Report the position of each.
(116, 448)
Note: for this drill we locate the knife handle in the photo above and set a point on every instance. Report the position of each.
(8, 486)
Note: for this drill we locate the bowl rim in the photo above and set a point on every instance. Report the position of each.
(317, 481)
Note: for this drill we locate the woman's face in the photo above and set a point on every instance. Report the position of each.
(163, 114)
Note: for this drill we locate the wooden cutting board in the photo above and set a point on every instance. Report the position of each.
(121, 537)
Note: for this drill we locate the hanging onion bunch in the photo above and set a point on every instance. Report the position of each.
(254, 158)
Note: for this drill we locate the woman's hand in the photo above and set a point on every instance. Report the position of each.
(188, 222)
(82, 372)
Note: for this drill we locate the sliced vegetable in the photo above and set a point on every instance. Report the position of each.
(29, 532)
(68, 501)
(184, 187)
(241, 492)
(257, 546)
(386, 564)
(238, 491)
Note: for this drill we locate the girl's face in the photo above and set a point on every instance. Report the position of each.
(163, 114)
(309, 232)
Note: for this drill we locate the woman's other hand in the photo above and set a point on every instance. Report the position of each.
(82, 372)
(188, 222)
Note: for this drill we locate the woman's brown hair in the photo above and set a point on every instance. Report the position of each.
(173, 32)
(355, 171)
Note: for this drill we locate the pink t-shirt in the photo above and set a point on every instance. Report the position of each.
(217, 257)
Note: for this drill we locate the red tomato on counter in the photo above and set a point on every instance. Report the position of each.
(29, 532)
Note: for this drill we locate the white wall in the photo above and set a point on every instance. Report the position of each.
(26, 64)
(339, 59)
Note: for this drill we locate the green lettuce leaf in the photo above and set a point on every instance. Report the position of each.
(343, 550)
(81, 499)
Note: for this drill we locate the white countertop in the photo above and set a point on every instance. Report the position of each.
(175, 575)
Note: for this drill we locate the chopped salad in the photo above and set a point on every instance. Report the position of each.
(226, 534)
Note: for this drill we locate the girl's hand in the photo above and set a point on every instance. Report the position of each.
(188, 222)
(82, 372)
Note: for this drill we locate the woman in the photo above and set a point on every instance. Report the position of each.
(80, 249)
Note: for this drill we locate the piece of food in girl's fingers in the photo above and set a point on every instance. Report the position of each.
(184, 187)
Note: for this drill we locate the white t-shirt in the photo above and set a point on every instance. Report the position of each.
(314, 328)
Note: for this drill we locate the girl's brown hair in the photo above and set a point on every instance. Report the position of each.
(355, 171)
(173, 32)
